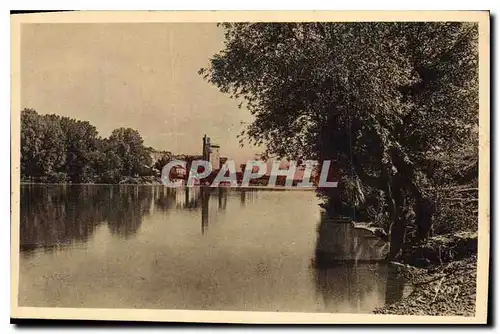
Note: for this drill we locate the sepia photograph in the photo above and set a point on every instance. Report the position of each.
(251, 167)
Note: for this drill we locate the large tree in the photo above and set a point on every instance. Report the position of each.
(81, 148)
(378, 98)
(42, 144)
(128, 144)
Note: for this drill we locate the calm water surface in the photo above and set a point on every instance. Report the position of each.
(218, 249)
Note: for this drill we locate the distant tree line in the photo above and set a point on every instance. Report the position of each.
(58, 149)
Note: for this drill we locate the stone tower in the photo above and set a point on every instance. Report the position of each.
(211, 153)
(206, 148)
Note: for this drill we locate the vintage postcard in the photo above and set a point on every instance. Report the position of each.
(251, 167)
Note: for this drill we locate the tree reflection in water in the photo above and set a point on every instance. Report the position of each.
(56, 215)
(347, 276)
(349, 271)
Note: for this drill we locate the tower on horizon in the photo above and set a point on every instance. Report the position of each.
(211, 152)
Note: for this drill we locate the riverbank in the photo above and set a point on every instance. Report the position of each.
(443, 276)
(151, 180)
(126, 180)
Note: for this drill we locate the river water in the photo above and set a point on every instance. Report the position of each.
(101, 246)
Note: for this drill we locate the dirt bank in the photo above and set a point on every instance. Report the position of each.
(442, 273)
(447, 289)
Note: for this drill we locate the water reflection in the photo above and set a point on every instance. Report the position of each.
(396, 287)
(341, 242)
(349, 272)
(125, 209)
(53, 216)
(195, 248)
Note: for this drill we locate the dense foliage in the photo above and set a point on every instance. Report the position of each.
(61, 149)
(383, 100)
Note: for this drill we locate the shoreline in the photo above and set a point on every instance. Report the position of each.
(444, 290)
(443, 285)
(161, 184)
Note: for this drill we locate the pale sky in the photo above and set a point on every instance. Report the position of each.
(138, 75)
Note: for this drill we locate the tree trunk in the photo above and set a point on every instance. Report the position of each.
(395, 200)
(397, 238)
(424, 211)
(424, 208)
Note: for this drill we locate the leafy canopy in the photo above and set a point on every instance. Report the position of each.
(356, 92)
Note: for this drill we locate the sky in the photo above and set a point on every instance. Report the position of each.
(138, 75)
